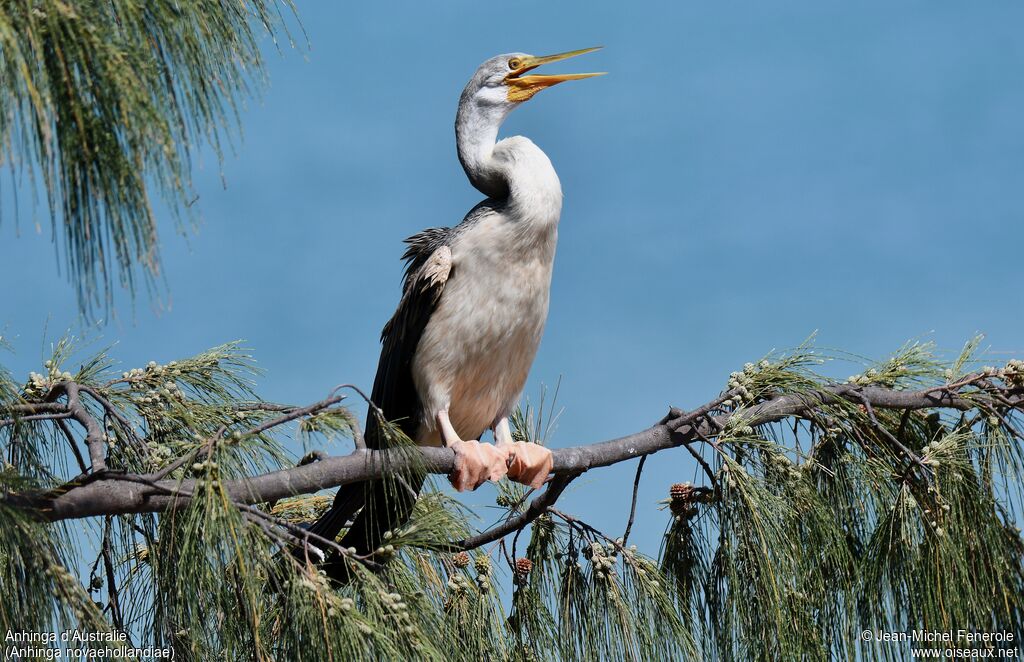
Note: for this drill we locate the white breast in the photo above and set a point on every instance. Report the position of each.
(477, 349)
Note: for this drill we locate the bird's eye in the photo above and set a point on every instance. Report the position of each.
(515, 63)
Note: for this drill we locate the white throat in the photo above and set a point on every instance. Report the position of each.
(476, 131)
(513, 169)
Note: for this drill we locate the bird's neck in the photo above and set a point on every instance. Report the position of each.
(476, 131)
(514, 170)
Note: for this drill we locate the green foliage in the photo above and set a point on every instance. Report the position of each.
(820, 527)
(805, 530)
(103, 102)
(41, 592)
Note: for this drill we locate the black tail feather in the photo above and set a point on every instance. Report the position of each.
(387, 505)
(348, 500)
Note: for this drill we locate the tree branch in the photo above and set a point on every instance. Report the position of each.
(632, 507)
(94, 437)
(115, 493)
(536, 508)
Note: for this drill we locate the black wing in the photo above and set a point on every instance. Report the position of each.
(428, 267)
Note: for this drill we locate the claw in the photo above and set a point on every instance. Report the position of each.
(477, 463)
(529, 463)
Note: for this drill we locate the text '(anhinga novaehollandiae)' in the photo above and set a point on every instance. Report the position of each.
(474, 302)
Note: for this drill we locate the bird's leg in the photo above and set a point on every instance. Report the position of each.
(528, 463)
(475, 463)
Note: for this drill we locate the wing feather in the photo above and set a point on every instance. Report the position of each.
(428, 267)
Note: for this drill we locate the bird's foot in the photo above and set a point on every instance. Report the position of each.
(528, 463)
(477, 463)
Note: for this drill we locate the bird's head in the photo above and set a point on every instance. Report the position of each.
(498, 86)
(504, 82)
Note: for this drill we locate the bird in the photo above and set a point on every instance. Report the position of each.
(457, 351)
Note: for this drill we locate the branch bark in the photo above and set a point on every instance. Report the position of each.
(537, 507)
(95, 440)
(112, 493)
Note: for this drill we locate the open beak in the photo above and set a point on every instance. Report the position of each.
(522, 88)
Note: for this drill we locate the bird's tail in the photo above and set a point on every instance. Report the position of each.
(386, 506)
(378, 506)
(348, 500)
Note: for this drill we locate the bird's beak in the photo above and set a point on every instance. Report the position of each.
(522, 88)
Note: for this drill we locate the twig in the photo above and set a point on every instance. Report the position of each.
(34, 417)
(108, 563)
(508, 559)
(700, 458)
(587, 528)
(914, 458)
(536, 508)
(73, 444)
(904, 419)
(632, 507)
(515, 541)
(413, 494)
(357, 433)
(699, 412)
(37, 407)
(261, 406)
(294, 414)
(111, 410)
(992, 411)
(302, 535)
(299, 533)
(177, 464)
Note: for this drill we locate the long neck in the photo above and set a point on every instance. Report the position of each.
(476, 130)
(514, 170)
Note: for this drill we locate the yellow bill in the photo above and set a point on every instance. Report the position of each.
(522, 88)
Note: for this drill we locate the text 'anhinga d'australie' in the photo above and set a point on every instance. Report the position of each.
(474, 302)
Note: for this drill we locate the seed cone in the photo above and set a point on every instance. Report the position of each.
(683, 496)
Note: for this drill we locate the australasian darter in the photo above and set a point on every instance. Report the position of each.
(474, 303)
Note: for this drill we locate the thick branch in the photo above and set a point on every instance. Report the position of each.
(94, 437)
(114, 494)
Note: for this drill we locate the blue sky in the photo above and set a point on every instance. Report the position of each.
(746, 174)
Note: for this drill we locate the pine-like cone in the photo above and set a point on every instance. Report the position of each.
(680, 490)
(461, 560)
(682, 495)
(523, 566)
